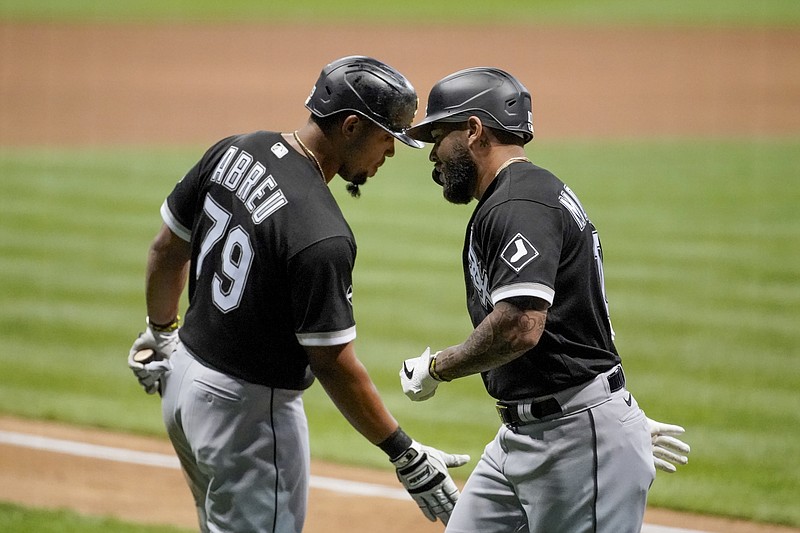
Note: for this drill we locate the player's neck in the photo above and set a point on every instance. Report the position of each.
(498, 159)
(315, 146)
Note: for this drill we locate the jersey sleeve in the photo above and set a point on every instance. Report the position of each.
(322, 288)
(179, 208)
(177, 211)
(523, 240)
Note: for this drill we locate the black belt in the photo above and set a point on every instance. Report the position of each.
(509, 411)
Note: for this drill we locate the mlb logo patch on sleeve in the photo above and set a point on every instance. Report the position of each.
(279, 150)
(519, 252)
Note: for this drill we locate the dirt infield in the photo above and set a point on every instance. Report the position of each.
(80, 85)
(194, 84)
(158, 495)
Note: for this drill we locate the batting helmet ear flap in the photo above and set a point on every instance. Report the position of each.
(369, 87)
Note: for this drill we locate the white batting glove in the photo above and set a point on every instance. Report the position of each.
(423, 472)
(149, 374)
(416, 379)
(667, 450)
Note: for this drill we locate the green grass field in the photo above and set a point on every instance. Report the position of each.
(16, 519)
(683, 12)
(701, 243)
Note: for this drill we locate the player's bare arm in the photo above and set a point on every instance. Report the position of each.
(347, 383)
(513, 327)
(421, 469)
(167, 269)
(505, 334)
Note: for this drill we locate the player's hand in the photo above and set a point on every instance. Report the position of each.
(668, 451)
(416, 379)
(150, 373)
(423, 472)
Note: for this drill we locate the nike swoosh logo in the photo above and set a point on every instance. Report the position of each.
(627, 400)
(409, 373)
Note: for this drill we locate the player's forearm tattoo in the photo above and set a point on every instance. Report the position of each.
(503, 336)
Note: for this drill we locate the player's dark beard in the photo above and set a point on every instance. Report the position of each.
(355, 182)
(459, 176)
(354, 190)
(353, 186)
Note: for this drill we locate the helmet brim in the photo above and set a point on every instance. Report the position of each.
(400, 135)
(422, 131)
(406, 139)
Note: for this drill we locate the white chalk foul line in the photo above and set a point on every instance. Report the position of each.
(123, 455)
(93, 451)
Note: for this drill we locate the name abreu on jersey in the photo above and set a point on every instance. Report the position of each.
(250, 182)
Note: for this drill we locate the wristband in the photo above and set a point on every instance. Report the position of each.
(165, 328)
(432, 369)
(395, 444)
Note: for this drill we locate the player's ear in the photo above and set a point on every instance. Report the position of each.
(475, 131)
(351, 125)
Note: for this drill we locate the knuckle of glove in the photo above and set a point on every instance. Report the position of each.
(166, 342)
(150, 374)
(159, 367)
(423, 480)
(147, 379)
(440, 506)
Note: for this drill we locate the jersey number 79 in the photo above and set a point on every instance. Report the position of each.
(228, 286)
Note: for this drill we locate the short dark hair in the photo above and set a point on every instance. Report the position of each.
(329, 123)
(332, 122)
(507, 137)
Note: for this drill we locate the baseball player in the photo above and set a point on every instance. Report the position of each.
(268, 256)
(574, 453)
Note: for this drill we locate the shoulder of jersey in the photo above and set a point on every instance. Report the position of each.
(526, 182)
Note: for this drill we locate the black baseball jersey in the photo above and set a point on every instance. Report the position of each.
(272, 260)
(529, 236)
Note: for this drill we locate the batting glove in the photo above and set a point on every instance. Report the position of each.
(416, 379)
(667, 450)
(423, 472)
(149, 373)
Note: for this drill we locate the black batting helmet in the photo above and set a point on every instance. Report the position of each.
(370, 88)
(491, 94)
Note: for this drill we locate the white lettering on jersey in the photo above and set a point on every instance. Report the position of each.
(269, 206)
(247, 179)
(252, 178)
(234, 176)
(598, 258)
(519, 252)
(227, 286)
(568, 199)
(222, 166)
(268, 183)
(480, 280)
